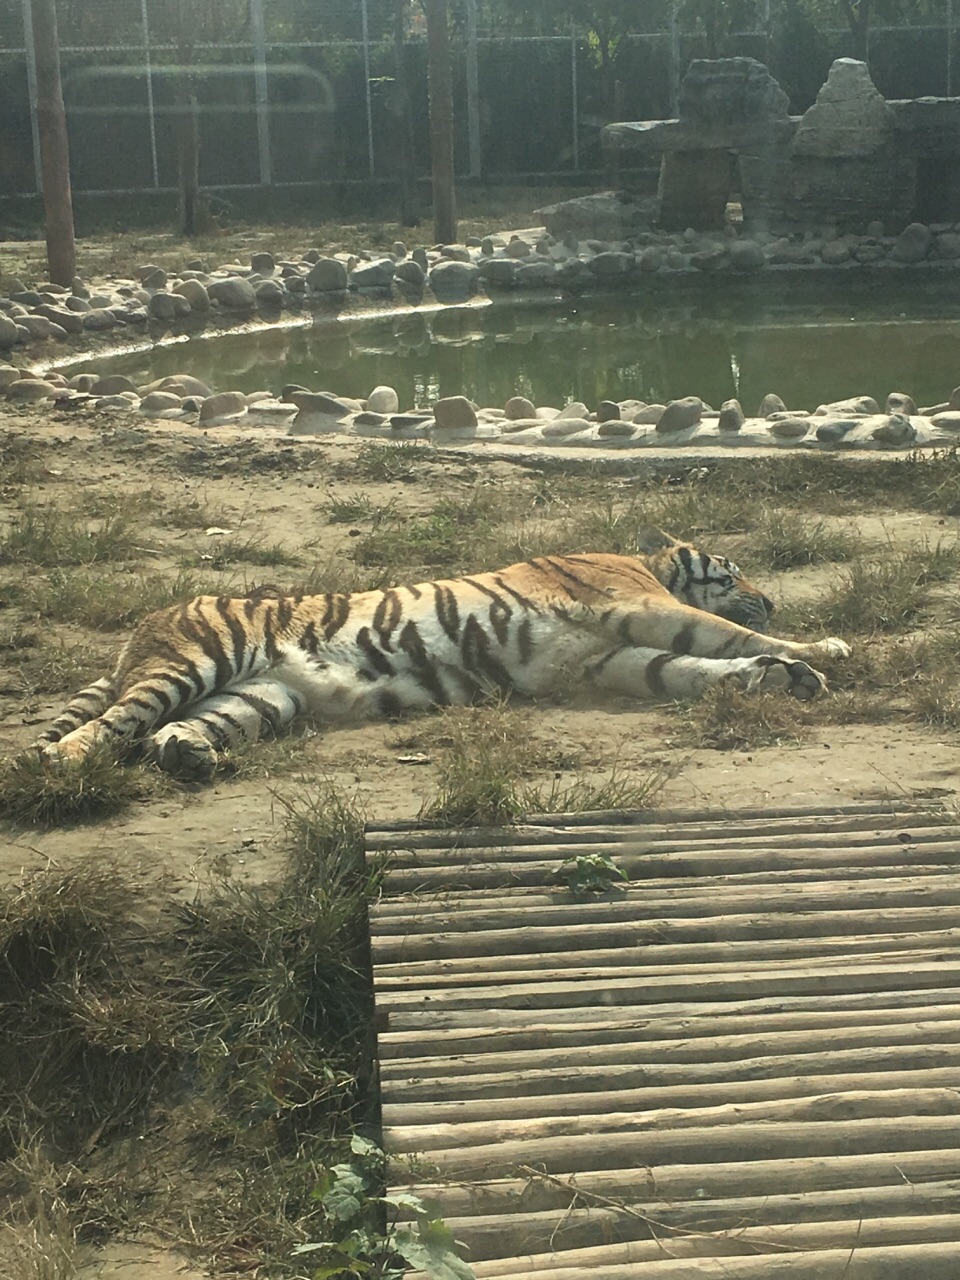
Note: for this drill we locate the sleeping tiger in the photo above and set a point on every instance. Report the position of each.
(668, 622)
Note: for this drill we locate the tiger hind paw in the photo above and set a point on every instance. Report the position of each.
(798, 679)
(183, 754)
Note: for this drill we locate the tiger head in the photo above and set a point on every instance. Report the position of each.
(711, 583)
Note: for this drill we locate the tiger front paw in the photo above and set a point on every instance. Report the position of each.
(74, 747)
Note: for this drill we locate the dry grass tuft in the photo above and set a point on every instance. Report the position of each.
(40, 1241)
(241, 1027)
(38, 792)
(728, 719)
(488, 756)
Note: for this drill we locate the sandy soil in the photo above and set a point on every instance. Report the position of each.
(268, 487)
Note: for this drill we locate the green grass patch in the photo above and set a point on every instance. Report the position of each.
(229, 550)
(107, 600)
(584, 793)
(359, 509)
(50, 538)
(886, 592)
(785, 539)
(386, 463)
(457, 533)
(479, 777)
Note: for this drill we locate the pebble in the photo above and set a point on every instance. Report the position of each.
(899, 402)
(834, 429)
(234, 293)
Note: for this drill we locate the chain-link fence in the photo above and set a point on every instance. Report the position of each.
(290, 92)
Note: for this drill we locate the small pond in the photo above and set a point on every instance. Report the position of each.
(725, 338)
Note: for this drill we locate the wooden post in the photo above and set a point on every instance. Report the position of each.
(54, 152)
(441, 121)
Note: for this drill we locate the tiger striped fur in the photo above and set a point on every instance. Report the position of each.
(668, 622)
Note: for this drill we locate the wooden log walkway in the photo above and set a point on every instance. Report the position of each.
(744, 1062)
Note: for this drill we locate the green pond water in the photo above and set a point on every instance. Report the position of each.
(793, 337)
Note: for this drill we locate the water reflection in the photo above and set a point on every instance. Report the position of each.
(739, 341)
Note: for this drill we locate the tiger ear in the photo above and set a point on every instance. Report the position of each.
(651, 539)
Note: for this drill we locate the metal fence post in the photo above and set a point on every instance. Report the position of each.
(473, 90)
(260, 89)
(32, 90)
(574, 93)
(151, 114)
(365, 33)
(949, 48)
(674, 62)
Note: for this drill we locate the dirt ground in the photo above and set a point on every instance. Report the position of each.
(272, 490)
(130, 508)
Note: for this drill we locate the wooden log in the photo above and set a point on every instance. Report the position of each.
(644, 931)
(735, 1057)
(666, 819)
(613, 1077)
(860, 1232)
(779, 1139)
(634, 1028)
(802, 979)
(433, 1020)
(762, 1190)
(852, 1104)
(625, 962)
(504, 873)
(673, 854)
(469, 1115)
(772, 1212)
(933, 1261)
(558, 907)
(747, 1239)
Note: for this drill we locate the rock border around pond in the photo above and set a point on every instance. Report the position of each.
(41, 322)
(51, 319)
(855, 423)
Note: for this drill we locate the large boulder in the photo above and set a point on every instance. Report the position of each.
(454, 281)
(327, 275)
(233, 294)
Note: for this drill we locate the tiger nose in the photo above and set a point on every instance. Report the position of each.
(768, 605)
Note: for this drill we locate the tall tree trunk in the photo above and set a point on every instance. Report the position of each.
(403, 120)
(858, 19)
(441, 121)
(188, 133)
(54, 152)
